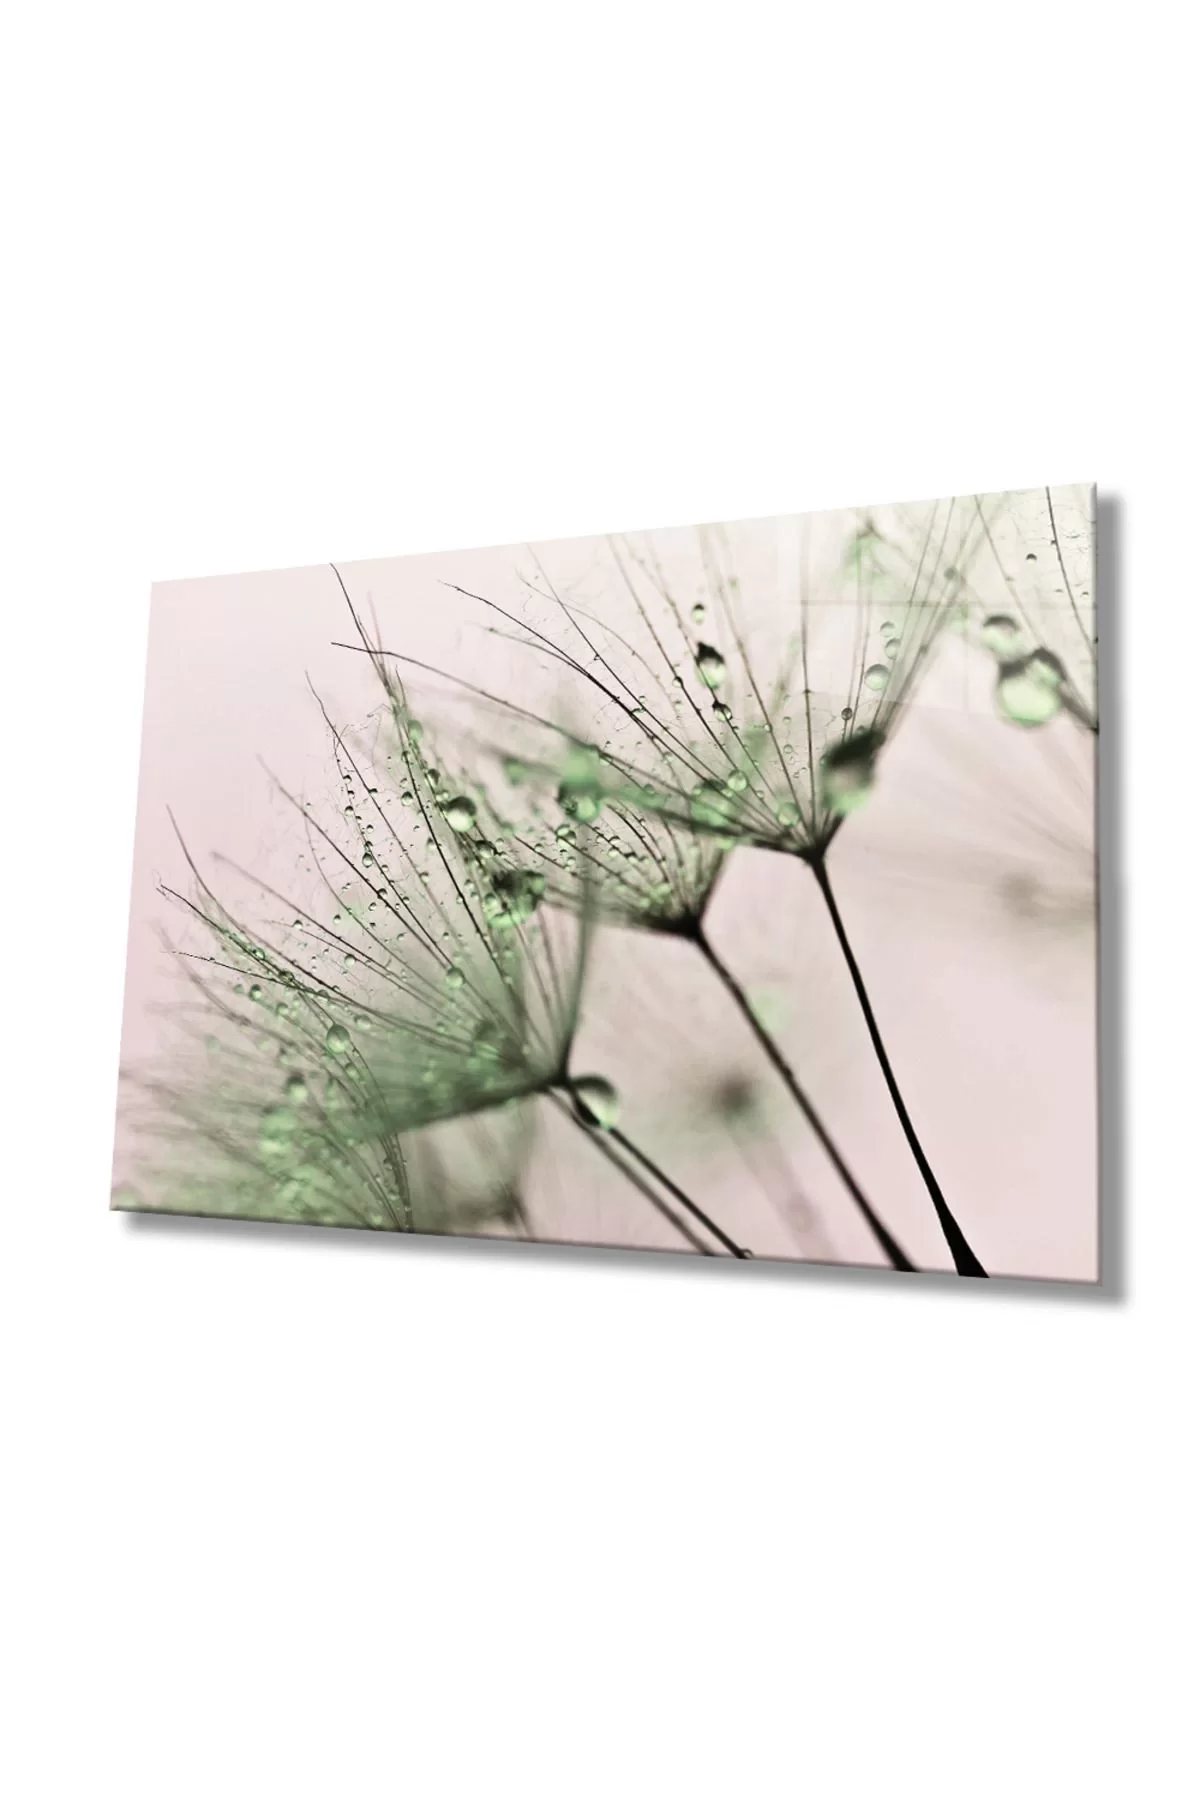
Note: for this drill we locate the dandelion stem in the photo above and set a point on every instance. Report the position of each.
(879, 1230)
(603, 1141)
(965, 1259)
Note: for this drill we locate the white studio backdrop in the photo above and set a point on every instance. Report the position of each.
(306, 1516)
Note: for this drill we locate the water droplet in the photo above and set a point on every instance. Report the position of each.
(296, 1089)
(848, 771)
(580, 792)
(516, 895)
(788, 813)
(1029, 691)
(337, 1040)
(698, 614)
(847, 713)
(255, 991)
(514, 770)
(459, 813)
(1001, 635)
(710, 665)
(454, 976)
(876, 678)
(596, 1101)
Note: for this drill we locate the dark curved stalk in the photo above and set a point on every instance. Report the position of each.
(879, 1230)
(965, 1259)
(601, 1137)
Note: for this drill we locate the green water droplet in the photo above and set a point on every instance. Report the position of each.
(459, 813)
(581, 791)
(337, 1040)
(454, 976)
(596, 1101)
(1001, 635)
(584, 804)
(296, 1089)
(698, 614)
(1029, 692)
(710, 665)
(848, 771)
(876, 678)
(787, 812)
(516, 895)
(255, 991)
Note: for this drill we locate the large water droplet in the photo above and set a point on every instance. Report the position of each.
(516, 895)
(453, 977)
(1001, 635)
(459, 813)
(876, 677)
(596, 1101)
(337, 1040)
(698, 614)
(710, 665)
(296, 1089)
(1029, 692)
(788, 813)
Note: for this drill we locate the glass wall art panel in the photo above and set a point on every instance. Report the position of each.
(728, 891)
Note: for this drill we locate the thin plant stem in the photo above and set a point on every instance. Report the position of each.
(879, 1230)
(600, 1139)
(965, 1259)
(677, 1193)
